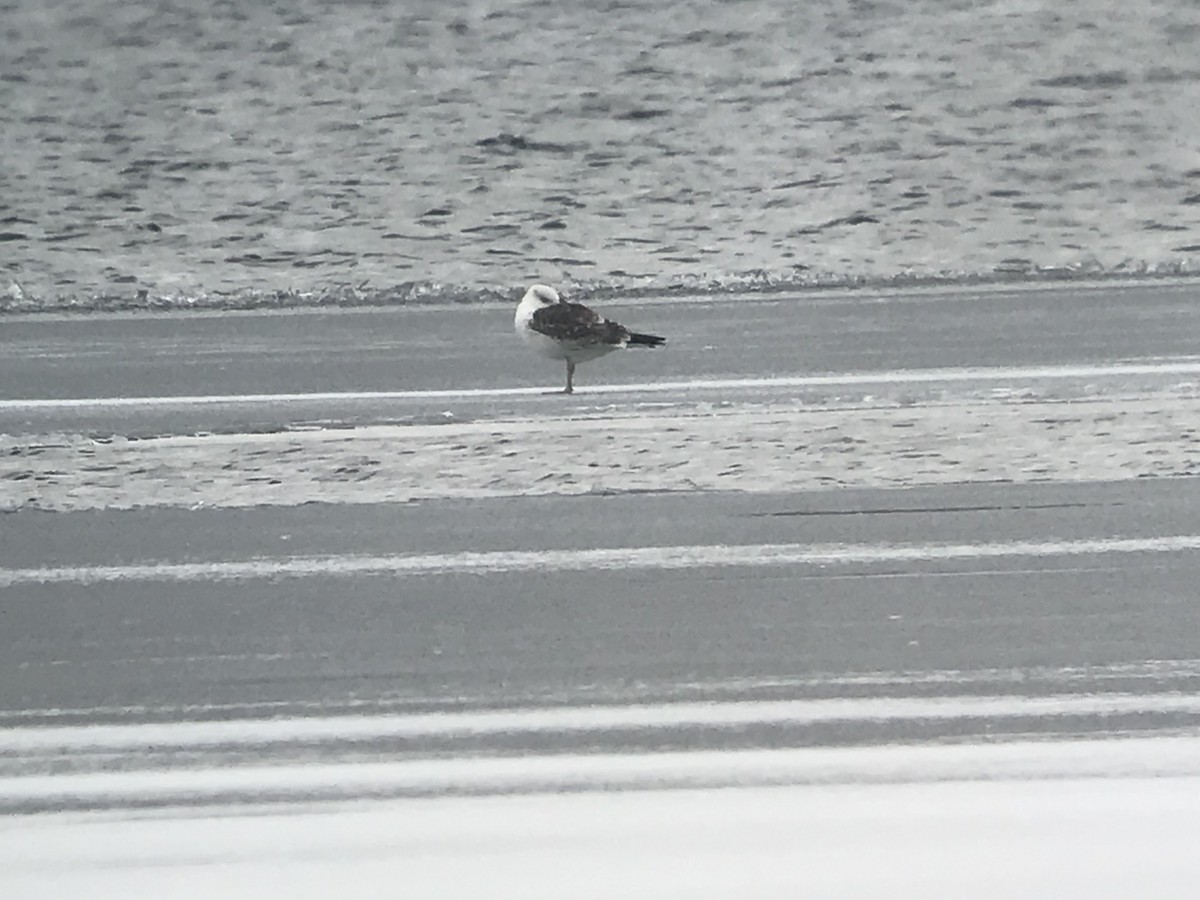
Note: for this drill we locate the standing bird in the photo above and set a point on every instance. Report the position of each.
(571, 331)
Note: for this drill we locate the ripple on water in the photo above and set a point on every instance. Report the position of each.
(332, 153)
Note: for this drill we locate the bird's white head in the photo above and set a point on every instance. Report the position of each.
(541, 295)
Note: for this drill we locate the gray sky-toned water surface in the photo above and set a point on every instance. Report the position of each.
(460, 150)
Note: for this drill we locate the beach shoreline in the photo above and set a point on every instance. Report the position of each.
(773, 447)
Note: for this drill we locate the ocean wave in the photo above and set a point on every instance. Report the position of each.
(428, 293)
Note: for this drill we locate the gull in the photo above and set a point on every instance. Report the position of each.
(561, 330)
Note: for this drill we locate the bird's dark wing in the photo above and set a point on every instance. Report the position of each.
(575, 322)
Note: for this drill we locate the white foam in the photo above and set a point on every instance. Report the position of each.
(1157, 756)
(579, 719)
(580, 560)
(1185, 366)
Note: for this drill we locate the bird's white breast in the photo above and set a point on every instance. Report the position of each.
(546, 346)
(539, 342)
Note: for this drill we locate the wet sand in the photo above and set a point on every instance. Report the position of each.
(960, 595)
(766, 449)
(1078, 404)
(1025, 589)
(464, 348)
(797, 393)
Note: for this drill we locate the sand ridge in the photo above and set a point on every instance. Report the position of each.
(753, 448)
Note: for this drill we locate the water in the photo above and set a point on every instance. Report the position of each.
(157, 151)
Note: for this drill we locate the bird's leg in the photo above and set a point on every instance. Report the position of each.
(570, 388)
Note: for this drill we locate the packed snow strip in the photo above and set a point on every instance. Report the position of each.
(1161, 756)
(182, 736)
(585, 560)
(755, 449)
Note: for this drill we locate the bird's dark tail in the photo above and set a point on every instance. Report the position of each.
(646, 340)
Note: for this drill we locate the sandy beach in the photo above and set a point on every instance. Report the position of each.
(878, 580)
(755, 448)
